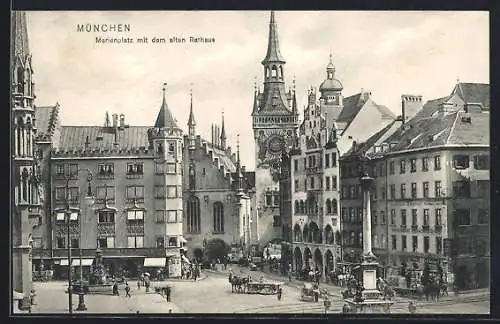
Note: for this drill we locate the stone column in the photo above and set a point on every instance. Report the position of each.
(366, 183)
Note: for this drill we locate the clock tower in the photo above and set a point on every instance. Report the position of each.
(275, 123)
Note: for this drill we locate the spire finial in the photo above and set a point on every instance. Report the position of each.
(191, 91)
(458, 80)
(164, 89)
(255, 83)
(238, 145)
(293, 82)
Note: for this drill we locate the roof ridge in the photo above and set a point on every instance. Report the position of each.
(452, 128)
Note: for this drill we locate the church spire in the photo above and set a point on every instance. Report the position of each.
(19, 36)
(273, 49)
(223, 134)
(191, 120)
(165, 118)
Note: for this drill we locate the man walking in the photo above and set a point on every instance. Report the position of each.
(169, 291)
(127, 290)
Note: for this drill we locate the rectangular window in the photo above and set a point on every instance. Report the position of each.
(414, 190)
(374, 217)
(437, 189)
(276, 221)
(160, 192)
(414, 217)
(160, 168)
(463, 216)
(305, 184)
(60, 217)
(269, 199)
(334, 159)
(135, 168)
(75, 243)
(391, 167)
(413, 165)
(394, 242)
(461, 162)
(171, 168)
(426, 217)
(135, 215)
(439, 245)
(135, 192)
(403, 191)
(393, 191)
(425, 189)
(171, 191)
(295, 165)
(160, 216)
(105, 170)
(276, 200)
(60, 170)
(414, 243)
(481, 162)
(461, 189)
(136, 242)
(327, 183)
(382, 217)
(438, 217)
(403, 242)
(73, 170)
(105, 193)
(312, 183)
(393, 217)
(483, 215)
(437, 162)
(74, 194)
(425, 164)
(305, 163)
(327, 160)
(334, 182)
(403, 217)
(402, 166)
(106, 242)
(172, 241)
(172, 216)
(426, 244)
(483, 188)
(296, 186)
(160, 242)
(60, 193)
(61, 242)
(106, 217)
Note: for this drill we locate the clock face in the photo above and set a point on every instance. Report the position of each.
(276, 144)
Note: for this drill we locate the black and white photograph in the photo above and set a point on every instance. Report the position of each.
(249, 162)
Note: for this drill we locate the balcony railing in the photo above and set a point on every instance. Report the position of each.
(438, 228)
(135, 228)
(425, 228)
(414, 228)
(106, 228)
(314, 170)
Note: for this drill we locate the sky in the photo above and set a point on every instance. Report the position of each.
(387, 53)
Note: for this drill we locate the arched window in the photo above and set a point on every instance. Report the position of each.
(302, 207)
(281, 72)
(297, 233)
(305, 233)
(267, 72)
(335, 208)
(352, 238)
(24, 184)
(274, 71)
(218, 217)
(329, 237)
(328, 206)
(192, 177)
(193, 215)
(297, 207)
(20, 80)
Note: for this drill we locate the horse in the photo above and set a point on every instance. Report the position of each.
(432, 290)
(238, 283)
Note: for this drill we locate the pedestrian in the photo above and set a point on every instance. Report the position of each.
(279, 293)
(127, 290)
(169, 291)
(412, 308)
(115, 289)
(138, 285)
(345, 309)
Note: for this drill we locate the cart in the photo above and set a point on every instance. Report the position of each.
(263, 288)
(308, 291)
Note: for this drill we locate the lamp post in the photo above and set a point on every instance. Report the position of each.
(68, 210)
(90, 202)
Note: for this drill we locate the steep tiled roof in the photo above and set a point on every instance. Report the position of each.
(224, 158)
(74, 137)
(475, 93)
(352, 105)
(362, 148)
(273, 48)
(385, 112)
(473, 132)
(429, 109)
(46, 121)
(165, 118)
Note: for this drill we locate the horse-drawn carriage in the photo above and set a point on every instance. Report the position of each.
(246, 285)
(264, 288)
(308, 292)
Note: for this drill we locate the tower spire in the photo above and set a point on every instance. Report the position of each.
(223, 134)
(165, 118)
(273, 48)
(191, 120)
(19, 35)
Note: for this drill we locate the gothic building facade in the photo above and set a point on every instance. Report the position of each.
(275, 121)
(25, 207)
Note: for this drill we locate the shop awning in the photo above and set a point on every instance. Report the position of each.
(154, 262)
(185, 259)
(85, 262)
(64, 262)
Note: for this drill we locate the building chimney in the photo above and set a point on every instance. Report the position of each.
(122, 120)
(410, 106)
(115, 120)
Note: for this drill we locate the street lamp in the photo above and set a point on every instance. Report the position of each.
(90, 202)
(68, 211)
